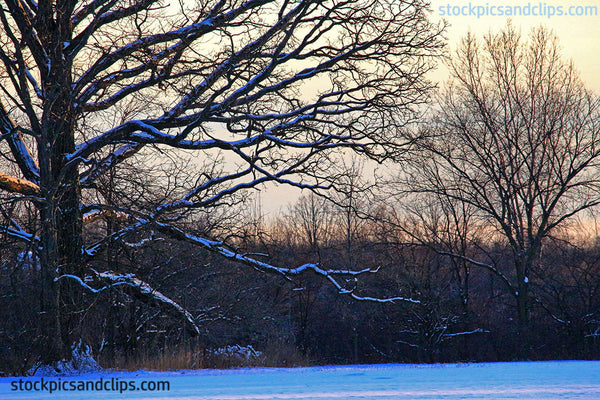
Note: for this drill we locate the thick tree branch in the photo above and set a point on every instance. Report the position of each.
(24, 187)
(138, 289)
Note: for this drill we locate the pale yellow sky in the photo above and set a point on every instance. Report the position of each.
(579, 35)
(579, 38)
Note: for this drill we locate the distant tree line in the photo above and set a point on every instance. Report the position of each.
(465, 310)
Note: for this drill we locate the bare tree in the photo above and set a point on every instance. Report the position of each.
(517, 139)
(330, 220)
(447, 226)
(268, 88)
(308, 222)
(353, 203)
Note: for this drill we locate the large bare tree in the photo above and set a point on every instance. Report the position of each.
(268, 88)
(517, 140)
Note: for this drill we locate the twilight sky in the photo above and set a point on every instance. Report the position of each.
(579, 35)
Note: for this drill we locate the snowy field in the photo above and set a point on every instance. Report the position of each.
(527, 380)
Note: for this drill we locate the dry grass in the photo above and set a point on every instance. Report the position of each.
(187, 357)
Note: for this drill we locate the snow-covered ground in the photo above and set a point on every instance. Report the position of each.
(523, 380)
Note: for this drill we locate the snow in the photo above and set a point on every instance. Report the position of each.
(237, 351)
(516, 380)
(82, 361)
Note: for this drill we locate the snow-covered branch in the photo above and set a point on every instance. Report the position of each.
(478, 330)
(329, 274)
(139, 289)
(188, 33)
(332, 275)
(18, 233)
(487, 266)
(96, 248)
(10, 131)
(109, 162)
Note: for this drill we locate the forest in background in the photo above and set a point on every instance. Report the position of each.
(465, 312)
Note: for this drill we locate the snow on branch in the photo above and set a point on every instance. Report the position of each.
(85, 285)
(279, 177)
(487, 266)
(18, 233)
(109, 162)
(142, 132)
(97, 247)
(552, 315)
(12, 132)
(141, 243)
(185, 34)
(478, 330)
(329, 274)
(140, 290)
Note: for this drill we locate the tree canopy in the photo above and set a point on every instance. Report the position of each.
(254, 91)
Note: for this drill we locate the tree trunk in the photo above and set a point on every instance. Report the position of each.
(61, 226)
(61, 232)
(522, 293)
(523, 266)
